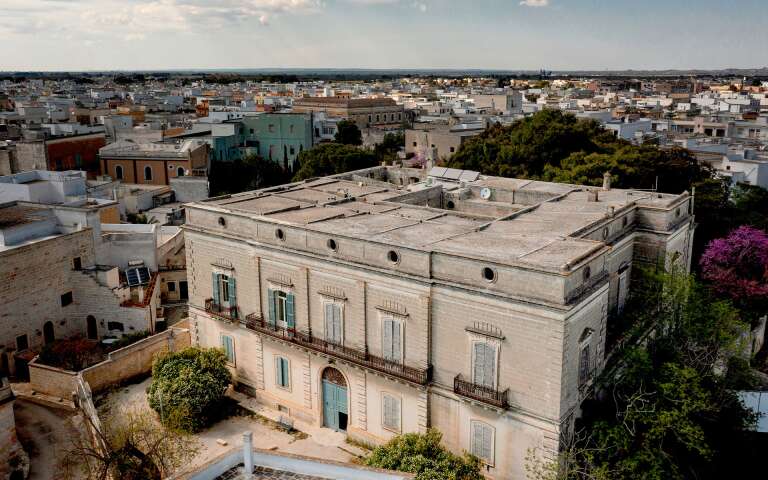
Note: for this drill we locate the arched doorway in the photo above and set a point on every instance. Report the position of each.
(335, 405)
(48, 336)
(93, 332)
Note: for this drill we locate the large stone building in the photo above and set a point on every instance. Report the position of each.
(365, 112)
(388, 300)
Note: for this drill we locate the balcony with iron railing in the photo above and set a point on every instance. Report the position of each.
(256, 323)
(481, 393)
(221, 312)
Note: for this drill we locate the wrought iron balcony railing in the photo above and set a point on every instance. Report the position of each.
(481, 393)
(228, 314)
(419, 376)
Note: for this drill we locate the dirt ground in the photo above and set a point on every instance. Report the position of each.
(313, 442)
(45, 434)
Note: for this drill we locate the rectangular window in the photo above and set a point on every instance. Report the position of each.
(22, 342)
(224, 287)
(333, 325)
(391, 340)
(281, 308)
(282, 372)
(228, 344)
(482, 442)
(66, 299)
(391, 412)
(171, 286)
(483, 364)
(77, 263)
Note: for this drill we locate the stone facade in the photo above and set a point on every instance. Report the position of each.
(500, 290)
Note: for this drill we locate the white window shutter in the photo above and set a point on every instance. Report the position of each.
(479, 365)
(396, 347)
(387, 351)
(487, 442)
(490, 366)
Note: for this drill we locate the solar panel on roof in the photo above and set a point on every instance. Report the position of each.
(438, 172)
(137, 276)
(452, 174)
(468, 176)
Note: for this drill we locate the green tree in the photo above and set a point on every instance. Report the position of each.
(188, 387)
(556, 146)
(386, 151)
(424, 455)
(331, 158)
(347, 133)
(669, 410)
(251, 173)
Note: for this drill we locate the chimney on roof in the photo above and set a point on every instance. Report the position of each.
(607, 181)
(592, 195)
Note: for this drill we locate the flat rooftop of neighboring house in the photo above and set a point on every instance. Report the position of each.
(504, 220)
(127, 148)
(14, 215)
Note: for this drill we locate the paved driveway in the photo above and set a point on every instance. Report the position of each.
(45, 434)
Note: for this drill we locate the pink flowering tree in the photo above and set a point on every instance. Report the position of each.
(737, 267)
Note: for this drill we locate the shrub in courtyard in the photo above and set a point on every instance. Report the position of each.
(188, 387)
(73, 354)
(424, 455)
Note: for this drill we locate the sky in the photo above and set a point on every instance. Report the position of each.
(78, 35)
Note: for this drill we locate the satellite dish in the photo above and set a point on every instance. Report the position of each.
(485, 193)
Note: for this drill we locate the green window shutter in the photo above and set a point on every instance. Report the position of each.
(215, 277)
(279, 371)
(229, 348)
(290, 315)
(329, 322)
(271, 302)
(286, 375)
(232, 298)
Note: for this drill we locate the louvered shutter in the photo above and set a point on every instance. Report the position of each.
(215, 278)
(477, 440)
(386, 341)
(279, 371)
(487, 435)
(396, 351)
(284, 370)
(337, 324)
(329, 322)
(271, 302)
(489, 375)
(232, 296)
(290, 316)
(479, 363)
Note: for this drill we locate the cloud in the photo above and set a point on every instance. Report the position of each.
(535, 3)
(136, 19)
(421, 6)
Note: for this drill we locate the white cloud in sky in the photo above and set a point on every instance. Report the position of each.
(535, 3)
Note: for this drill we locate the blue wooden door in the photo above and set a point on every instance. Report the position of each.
(335, 412)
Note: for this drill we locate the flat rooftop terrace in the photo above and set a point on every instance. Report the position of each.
(533, 223)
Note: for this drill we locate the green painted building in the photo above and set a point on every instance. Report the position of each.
(279, 137)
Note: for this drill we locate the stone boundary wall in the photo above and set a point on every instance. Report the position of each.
(121, 365)
(52, 381)
(135, 359)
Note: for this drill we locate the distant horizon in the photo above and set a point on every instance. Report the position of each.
(558, 35)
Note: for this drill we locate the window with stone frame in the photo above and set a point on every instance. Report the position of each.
(390, 412)
(482, 441)
(392, 338)
(334, 326)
